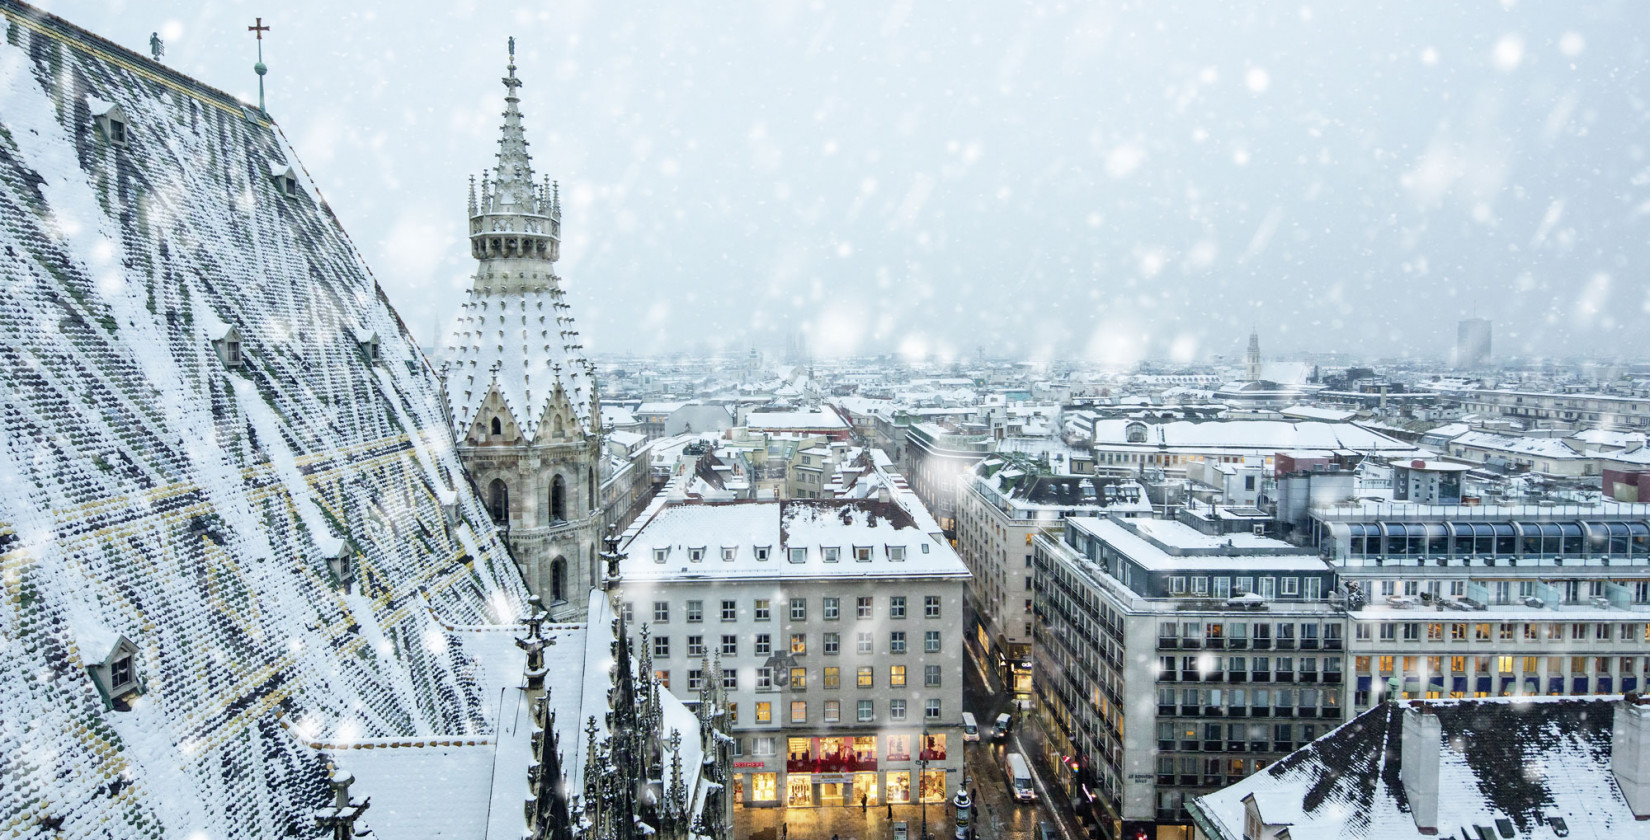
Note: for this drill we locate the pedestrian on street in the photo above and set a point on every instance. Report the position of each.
(890, 811)
(784, 831)
(862, 802)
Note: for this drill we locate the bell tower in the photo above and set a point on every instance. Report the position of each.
(522, 394)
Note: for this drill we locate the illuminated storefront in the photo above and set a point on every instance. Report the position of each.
(799, 789)
(899, 787)
(933, 786)
(764, 788)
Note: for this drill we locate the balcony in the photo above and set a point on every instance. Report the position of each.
(1260, 676)
(1191, 644)
(1234, 746)
(1213, 711)
(1235, 676)
(1332, 677)
(1309, 644)
(1211, 746)
(1284, 677)
(1263, 644)
(1238, 711)
(1306, 711)
(1190, 710)
(1165, 710)
(1307, 677)
(1168, 676)
(1283, 711)
(1237, 644)
(1168, 644)
(1286, 644)
(1331, 644)
(1188, 676)
(1213, 676)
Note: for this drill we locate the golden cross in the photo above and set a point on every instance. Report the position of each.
(259, 28)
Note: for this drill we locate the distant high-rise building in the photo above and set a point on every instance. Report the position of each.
(1472, 343)
(1251, 360)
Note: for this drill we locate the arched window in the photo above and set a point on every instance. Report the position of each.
(590, 482)
(498, 426)
(498, 500)
(556, 426)
(558, 579)
(558, 500)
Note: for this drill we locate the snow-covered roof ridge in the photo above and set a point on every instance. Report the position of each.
(151, 491)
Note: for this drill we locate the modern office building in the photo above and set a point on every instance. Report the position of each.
(1472, 343)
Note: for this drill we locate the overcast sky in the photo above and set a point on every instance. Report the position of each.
(1094, 180)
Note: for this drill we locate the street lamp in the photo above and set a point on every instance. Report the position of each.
(922, 777)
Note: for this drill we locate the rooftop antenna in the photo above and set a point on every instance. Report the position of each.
(259, 68)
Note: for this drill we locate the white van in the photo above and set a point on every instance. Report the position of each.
(1019, 778)
(971, 730)
(1003, 723)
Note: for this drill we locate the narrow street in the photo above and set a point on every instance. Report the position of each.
(1000, 817)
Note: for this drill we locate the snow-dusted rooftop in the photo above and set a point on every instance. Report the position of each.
(1274, 435)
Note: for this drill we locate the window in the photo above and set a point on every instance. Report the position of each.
(896, 676)
(663, 677)
(930, 675)
(864, 645)
(762, 746)
(799, 609)
(799, 555)
(659, 554)
(661, 612)
(762, 609)
(696, 679)
(829, 554)
(764, 712)
(1291, 586)
(862, 553)
(864, 607)
(730, 645)
(764, 644)
(867, 711)
(833, 711)
(931, 606)
(696, 646)
(833, 609)
(120, 673)
(799, 643)
(695, 611)
(730, 612)
(764, 678)
(896, 709)
(799, 678)
(866, 678)
(728, 553)
(833, 676)
(762, 552)
(661, 647)
(629, 611)
(896, 641)
(695, 555)
(931, 641)
(896, 606)
(931, 709)
(896, 553)
(833, 644)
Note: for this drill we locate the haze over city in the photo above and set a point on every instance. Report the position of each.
(1099, 182)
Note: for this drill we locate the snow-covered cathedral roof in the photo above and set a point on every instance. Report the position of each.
(515, 333)
(193, 495)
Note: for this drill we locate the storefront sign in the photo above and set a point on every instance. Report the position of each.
(750, 764)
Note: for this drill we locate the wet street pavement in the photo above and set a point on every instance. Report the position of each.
(996, 815)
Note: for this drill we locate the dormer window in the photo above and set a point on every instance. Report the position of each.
(659, 554)
(286, 180)
(925, 548)
(1135, 432)
(110, 119)
(696, 554)
(896, 553)
(498, 426)
(762, 552)
(227, 344)
(112, 665)
(728, 553)
(341, 568)
(367, 340)
(799, 555)
(862, 554)
(830, 554)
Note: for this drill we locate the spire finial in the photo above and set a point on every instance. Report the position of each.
(259, 29)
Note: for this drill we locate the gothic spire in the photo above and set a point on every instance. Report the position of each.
(513, 176)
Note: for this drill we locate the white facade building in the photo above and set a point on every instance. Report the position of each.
(834, 627)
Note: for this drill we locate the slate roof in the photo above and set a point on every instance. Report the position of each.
(1522, 760)
(151, 491)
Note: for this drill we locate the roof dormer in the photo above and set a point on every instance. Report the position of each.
(227, 343)
(286, 180)
(367, 340)
(113, 667)
(110, 120)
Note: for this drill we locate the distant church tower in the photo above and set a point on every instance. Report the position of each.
(1251, 360)
(523, 397)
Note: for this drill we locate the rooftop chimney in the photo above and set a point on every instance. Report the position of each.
(1418, 765)
(1630, 752)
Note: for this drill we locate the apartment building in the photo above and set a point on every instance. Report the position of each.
(834, 627)
(1170, 663)
(1002, 503)
(1491, 600)
(935, 457)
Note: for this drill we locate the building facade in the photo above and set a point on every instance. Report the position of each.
(521, 394)
(1002, 504)
(935, 457)
(833, 630)
(1171, 663)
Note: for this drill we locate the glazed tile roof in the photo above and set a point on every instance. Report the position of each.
(150, 490)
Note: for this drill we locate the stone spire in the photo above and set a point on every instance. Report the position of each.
(1251, 360)
(516, 224)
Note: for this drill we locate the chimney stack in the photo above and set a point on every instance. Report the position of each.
(1630, 752)
(1418, 765)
